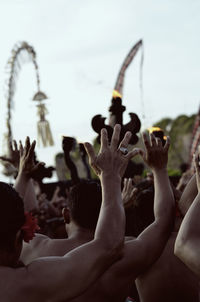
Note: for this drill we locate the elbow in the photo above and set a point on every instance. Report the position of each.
(178, 247)
(187, 252)
(181, 248)
(113, 252)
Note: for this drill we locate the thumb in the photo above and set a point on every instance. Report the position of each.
(136, 151)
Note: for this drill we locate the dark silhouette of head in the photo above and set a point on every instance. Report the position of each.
(12, 216)
(141, 215)
(84, 204)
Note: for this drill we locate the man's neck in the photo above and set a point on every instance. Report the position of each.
(80, 234)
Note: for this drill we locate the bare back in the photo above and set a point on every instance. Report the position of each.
(168, 279)
(111, 286)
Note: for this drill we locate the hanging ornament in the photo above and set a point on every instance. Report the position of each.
(43, 127)
(21, 53)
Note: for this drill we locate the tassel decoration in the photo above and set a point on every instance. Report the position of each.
(43, 127)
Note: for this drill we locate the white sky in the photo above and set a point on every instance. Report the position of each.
(80, 46)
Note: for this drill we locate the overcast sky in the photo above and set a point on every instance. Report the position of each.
(80, 46)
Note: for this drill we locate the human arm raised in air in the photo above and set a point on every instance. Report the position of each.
(144, 250)
(187, 245)
(66, 277)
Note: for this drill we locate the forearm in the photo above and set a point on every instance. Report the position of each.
(30, 200)
(24, 186)
(188, 195)
(154, 238)
(190, 227)
(21, 184)
(164, 197)
(187, 245)
(111, 224)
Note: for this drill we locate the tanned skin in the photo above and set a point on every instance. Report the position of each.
(139, 254)
(168, 279)
(187, 244)
(64, 278)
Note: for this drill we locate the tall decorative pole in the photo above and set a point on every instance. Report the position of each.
(13, 67)
(116, 109)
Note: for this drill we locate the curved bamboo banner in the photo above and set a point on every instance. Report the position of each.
(21, 53)
(13, 68)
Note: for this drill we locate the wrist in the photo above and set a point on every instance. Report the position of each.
(23, 175)
(159, 170)
(110, 177)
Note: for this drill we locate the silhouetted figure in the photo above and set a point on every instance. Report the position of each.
(68, 144)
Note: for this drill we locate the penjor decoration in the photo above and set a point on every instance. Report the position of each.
(116, 109)
(21, 53)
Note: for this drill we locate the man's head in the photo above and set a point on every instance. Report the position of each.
(141, 215)
(12, 217)
(84, 204)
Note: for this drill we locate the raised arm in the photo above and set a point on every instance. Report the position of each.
(23, 184)
(188, 195)
(63, 278)
(143, 251)
(187, 245)
(153, 239)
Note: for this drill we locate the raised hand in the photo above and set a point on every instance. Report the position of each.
(155, 154)
(113, 157)
(14, 155)
(129, 193)
(27, 164)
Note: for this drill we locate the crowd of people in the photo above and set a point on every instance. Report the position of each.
(106, 239)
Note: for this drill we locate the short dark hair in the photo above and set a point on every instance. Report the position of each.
(12, 215)
(141, 215)
(84, 203)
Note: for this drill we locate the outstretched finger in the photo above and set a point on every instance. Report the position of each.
(125, 141)
(196, 163)
(104, 139)
(134, 152)
(130, 185)
(146, 141)
(31, 150)
(159, 142)
(115, 137)
(133, 192)
(4, 158)
(90, 152)
(92, 157)
(21, 149)
(15, 145)
(167, 144)
(27, 145)
(10, 146)
(125, 184)
(153, 140)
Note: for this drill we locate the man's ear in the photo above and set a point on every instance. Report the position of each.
(66, 215)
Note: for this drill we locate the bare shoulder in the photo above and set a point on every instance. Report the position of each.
(34, 248)
(43, 246)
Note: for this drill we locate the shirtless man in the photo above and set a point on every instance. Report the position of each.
(139, 254)
(63, 278)
(187, 244)
(168, 279)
